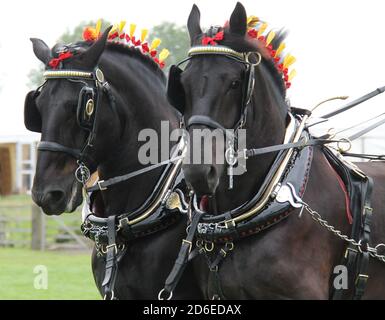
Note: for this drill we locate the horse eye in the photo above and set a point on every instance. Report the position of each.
(234, 84)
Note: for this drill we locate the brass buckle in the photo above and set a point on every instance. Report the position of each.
(100, 186)
(347, 252)
(370, 209)
(230, 223)
(189, 243)
(363, 277)
(112, 246)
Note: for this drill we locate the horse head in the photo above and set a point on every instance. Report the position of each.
(230, 82)
(69, 109)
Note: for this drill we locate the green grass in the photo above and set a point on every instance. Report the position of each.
(69, 275)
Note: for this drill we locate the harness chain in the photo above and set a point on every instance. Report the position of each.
(373, 251)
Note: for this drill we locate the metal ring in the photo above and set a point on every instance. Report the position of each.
(104, 251)
(112, 295)
(332, 133)
(379, 246)
(82, 174)
(258, 61)
(199, 243)
(161, 292)
(90, 107)
(211, 248)
(344, 140)
(229, 246)
(229, 157)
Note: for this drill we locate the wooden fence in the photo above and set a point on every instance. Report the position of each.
(29, 227)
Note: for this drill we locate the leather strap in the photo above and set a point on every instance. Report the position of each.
(56, 147)
(300, 144)
(364, 257)
(214, 279)
(102, 185)
(182, 259)
(354, 103)
(111, 267)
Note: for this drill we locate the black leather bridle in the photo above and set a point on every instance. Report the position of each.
(99, 85)
(248, 86)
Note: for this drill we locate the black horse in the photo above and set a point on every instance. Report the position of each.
(295, 258)
(105, 130)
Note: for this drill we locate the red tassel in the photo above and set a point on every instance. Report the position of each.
(161, 64)
(252, 33)
(212, 40)
(54, 63)
(288, 85)
(145, 47)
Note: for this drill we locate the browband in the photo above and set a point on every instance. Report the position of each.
(219, 50)
(74, 74)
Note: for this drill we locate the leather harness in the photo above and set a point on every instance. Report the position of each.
(293, 168)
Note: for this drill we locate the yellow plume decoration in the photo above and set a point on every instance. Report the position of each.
(262, 29)
(132, 29)
(98, 27)
(143, 34)
(121, 26)
(288, 61)
(270, 37)
(155, 43)
(114, 29)
(252, 21)
(163, 55)
(292, 74)
(281, 47)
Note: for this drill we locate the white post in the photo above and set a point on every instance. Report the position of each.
(33, 162)
(18, 164)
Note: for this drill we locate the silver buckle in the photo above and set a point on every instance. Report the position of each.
(100, 186)
(120, 225)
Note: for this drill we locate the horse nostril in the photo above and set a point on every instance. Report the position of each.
(54, 196)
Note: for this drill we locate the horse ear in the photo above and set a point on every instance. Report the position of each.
(41, 50)
(193, 23)
(91, 56)
(238, 20)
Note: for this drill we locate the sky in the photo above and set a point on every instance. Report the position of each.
(339, 44)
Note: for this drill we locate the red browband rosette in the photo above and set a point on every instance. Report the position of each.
(213, 40)
(55, 62)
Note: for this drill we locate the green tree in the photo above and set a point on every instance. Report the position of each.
(35, 76)
(175, 38)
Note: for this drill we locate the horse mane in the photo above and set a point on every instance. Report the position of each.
(130, 51)
(137, 54)
(248, 44)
